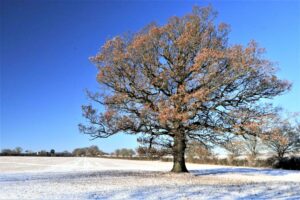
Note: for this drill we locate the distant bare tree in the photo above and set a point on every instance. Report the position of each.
(235, 148)
(18, 150)
(124, 152)
(197, 150)
(253, 146)
(88, 151)
(152, 152)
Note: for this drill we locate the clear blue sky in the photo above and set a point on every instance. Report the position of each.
(45, 47)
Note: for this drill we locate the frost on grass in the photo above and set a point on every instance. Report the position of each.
(91, 178)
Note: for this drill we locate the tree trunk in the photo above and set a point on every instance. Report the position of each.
(178, 155)
(280, 154)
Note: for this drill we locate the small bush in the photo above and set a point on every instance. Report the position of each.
(292, 163)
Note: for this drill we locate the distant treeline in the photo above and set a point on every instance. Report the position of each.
(18, 151)
(195, 154)
(92, 151)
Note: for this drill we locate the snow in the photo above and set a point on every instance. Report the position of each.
(102, 178)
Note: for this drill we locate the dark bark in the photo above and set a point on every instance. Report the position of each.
(280, 154)
(178, 155)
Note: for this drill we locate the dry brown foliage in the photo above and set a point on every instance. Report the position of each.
(180, 81)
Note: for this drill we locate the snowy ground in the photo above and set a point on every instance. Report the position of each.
(96, 178)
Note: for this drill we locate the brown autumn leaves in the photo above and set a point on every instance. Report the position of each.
(179, 82)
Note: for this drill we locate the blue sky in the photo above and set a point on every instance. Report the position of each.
(45, 45)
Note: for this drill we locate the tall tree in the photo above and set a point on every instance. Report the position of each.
(179, 82)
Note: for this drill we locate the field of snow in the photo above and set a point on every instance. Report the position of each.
(101, 178)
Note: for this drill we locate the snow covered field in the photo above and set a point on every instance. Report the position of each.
(98, 178)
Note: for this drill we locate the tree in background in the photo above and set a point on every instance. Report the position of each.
(12, 152)
(92, 151)
(43, 153)
(52, 152)
(253, 146)
(7, 152)
(142, 151)
(282, 137)
(95, 151)
(235, 149)
(124, 152)
(196, 150)
(117, 152)
(66, 153)
(152, 152)
(180, 82)
(18, 150)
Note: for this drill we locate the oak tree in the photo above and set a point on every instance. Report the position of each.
(282, 136)
(178, 82)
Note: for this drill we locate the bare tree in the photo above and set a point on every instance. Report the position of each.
(18, 150)
(179, 82)
(235, 148)
(124, 152)
(152, 152)
(197, 150)
(253, 145)
(88, 151)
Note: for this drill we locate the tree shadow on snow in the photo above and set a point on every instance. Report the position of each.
(242, 170)
(210, 192)
(52, 176)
